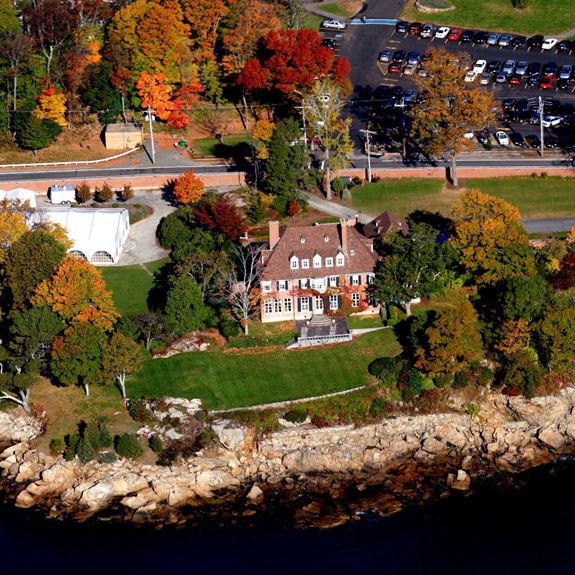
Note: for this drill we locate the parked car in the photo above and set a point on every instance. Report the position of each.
(426, 31)
(533, 81)
(409, 96)
(501, 78)
(442, 32)
(502, 138)
(492, 39)
(394, 68)
(455, 34)
(479, 66)
(482, 137)
(415, 28)
(518, 41)
(546, 82)
(329, 43)
(334, 25)
(399, 56)
(509, 104)
(563, 84)
(504, 40)
(534, 69)
(514, 79)
(550, 69)
(508, 67)
(413, 58)
(485, 78)
(466, 36)
(385, 56)
(535, 42)
(521, 67)
(517, 139)
(401, 27)
(480, 37)
(533, 141)
(422, 72)
(565, 71)
(549, 43)
(550, 142)
(410, 69)
(563, 47)
(470, 76)
(493, 66)
(552, 121)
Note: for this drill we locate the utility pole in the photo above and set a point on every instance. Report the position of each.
(153, 149)
(541, 123)
(368, 150)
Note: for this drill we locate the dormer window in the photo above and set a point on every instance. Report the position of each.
(326, 238)
(339, 260)
(294, 263)
(328, 262)
(304, 264)
(302, 240)
(317, 261)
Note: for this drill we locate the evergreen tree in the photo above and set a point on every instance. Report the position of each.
(185, 307)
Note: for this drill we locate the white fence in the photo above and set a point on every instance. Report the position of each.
(76, 163)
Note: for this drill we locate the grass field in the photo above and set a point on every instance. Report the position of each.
(205, 147)
(130, 285)
(551, 197)
(541, 17)
(224, 380)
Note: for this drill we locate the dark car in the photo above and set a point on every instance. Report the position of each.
(396, 92)
(329, 43)
(394, 68)
(534, 69)
(482, 137)
(533, 141)
(414, 58)
(466, 36)
(425, 57)
(493, 66)
(550, 69)
(535, 42)
(563, 47)
(563, 84)
(401, 27)
(514, 79)
(415, 28)
(550, 142)
(517, 139)
(399, 56)
(509, 104)
(518, 41)
(480, 37)
(522, 105)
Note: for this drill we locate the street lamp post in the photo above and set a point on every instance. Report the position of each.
(153, 149)
(541, 123)
(368, 150)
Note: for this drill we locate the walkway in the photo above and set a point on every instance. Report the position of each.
(333, 209)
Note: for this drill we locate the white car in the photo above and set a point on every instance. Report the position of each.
(549, 43)
(485, 78)
(551, 121)
(442, 32)
(470, 76)
(502, 138)
(334, 24)
(479, 66)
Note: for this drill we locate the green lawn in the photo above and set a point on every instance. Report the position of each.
(541, 17)
(130, 285)
(311, 21)
(205, 147)
(336, 9)
(225, 380)
(551, 197)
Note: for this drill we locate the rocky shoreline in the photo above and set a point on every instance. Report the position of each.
(302, 476)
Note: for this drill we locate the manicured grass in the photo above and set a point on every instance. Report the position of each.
(130, 285)
(551, 197)
(401, 196)
(311, 21)
(205, 147)
(225, 380)
(336, 9)
(536, 198)
(363, 322)
(541, 17)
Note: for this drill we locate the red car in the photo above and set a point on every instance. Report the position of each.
(415, 28)
(514, 80)
(546, 82)
(394, 68)
(455, 34)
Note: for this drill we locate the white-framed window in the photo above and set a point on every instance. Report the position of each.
(371, 299)
(303, 283)
(355, 299)
(287, 305)
(370, 279)
(318, 304)
(277, 305)
(333, 302)
(339, 260)
(332, 281)
(294, 264)
(268, 306)
(266, 287)
(317, 261)
(304, 303)
(355, 280)
(282, 285)
(304, 264)
(328, 262)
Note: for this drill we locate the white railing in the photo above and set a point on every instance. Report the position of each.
(76, 163)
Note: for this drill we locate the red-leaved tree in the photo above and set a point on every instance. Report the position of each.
(221, 215)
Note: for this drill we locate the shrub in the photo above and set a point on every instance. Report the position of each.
(410, 383)
(85, 450)
(442, 380)
(337, 186)
(485, 376)
(472, 409)
(98, 433)
(104, 194)
(127, 193)
(386, 369)
(346, 195)
(83, 193)
(115, 205)
(461, 380)
(107, 457)
(71, 442)
(128, 445)
(139, 411)
(156, 443)
(56, 446)
(229, 329)
(296, 415)
(378, 407)
(522, 373)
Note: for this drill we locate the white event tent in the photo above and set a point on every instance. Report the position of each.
(21, 195)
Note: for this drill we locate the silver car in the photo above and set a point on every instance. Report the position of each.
(521, 67)
(492, 39)
(504, 40)
(565, 72)
(385, 56)
(508, 67)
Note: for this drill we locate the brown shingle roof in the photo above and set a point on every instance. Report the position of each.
(322, 239)
(383, 224)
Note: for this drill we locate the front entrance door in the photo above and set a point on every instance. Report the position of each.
(318, 305)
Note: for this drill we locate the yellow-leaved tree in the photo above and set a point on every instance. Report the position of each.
(51, 106)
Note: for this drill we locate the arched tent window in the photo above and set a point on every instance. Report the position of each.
(102, 258)
(77, 254)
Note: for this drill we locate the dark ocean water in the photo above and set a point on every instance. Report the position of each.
(523, 531)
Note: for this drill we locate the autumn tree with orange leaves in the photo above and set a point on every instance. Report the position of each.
(188, 188)
(77, 293)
